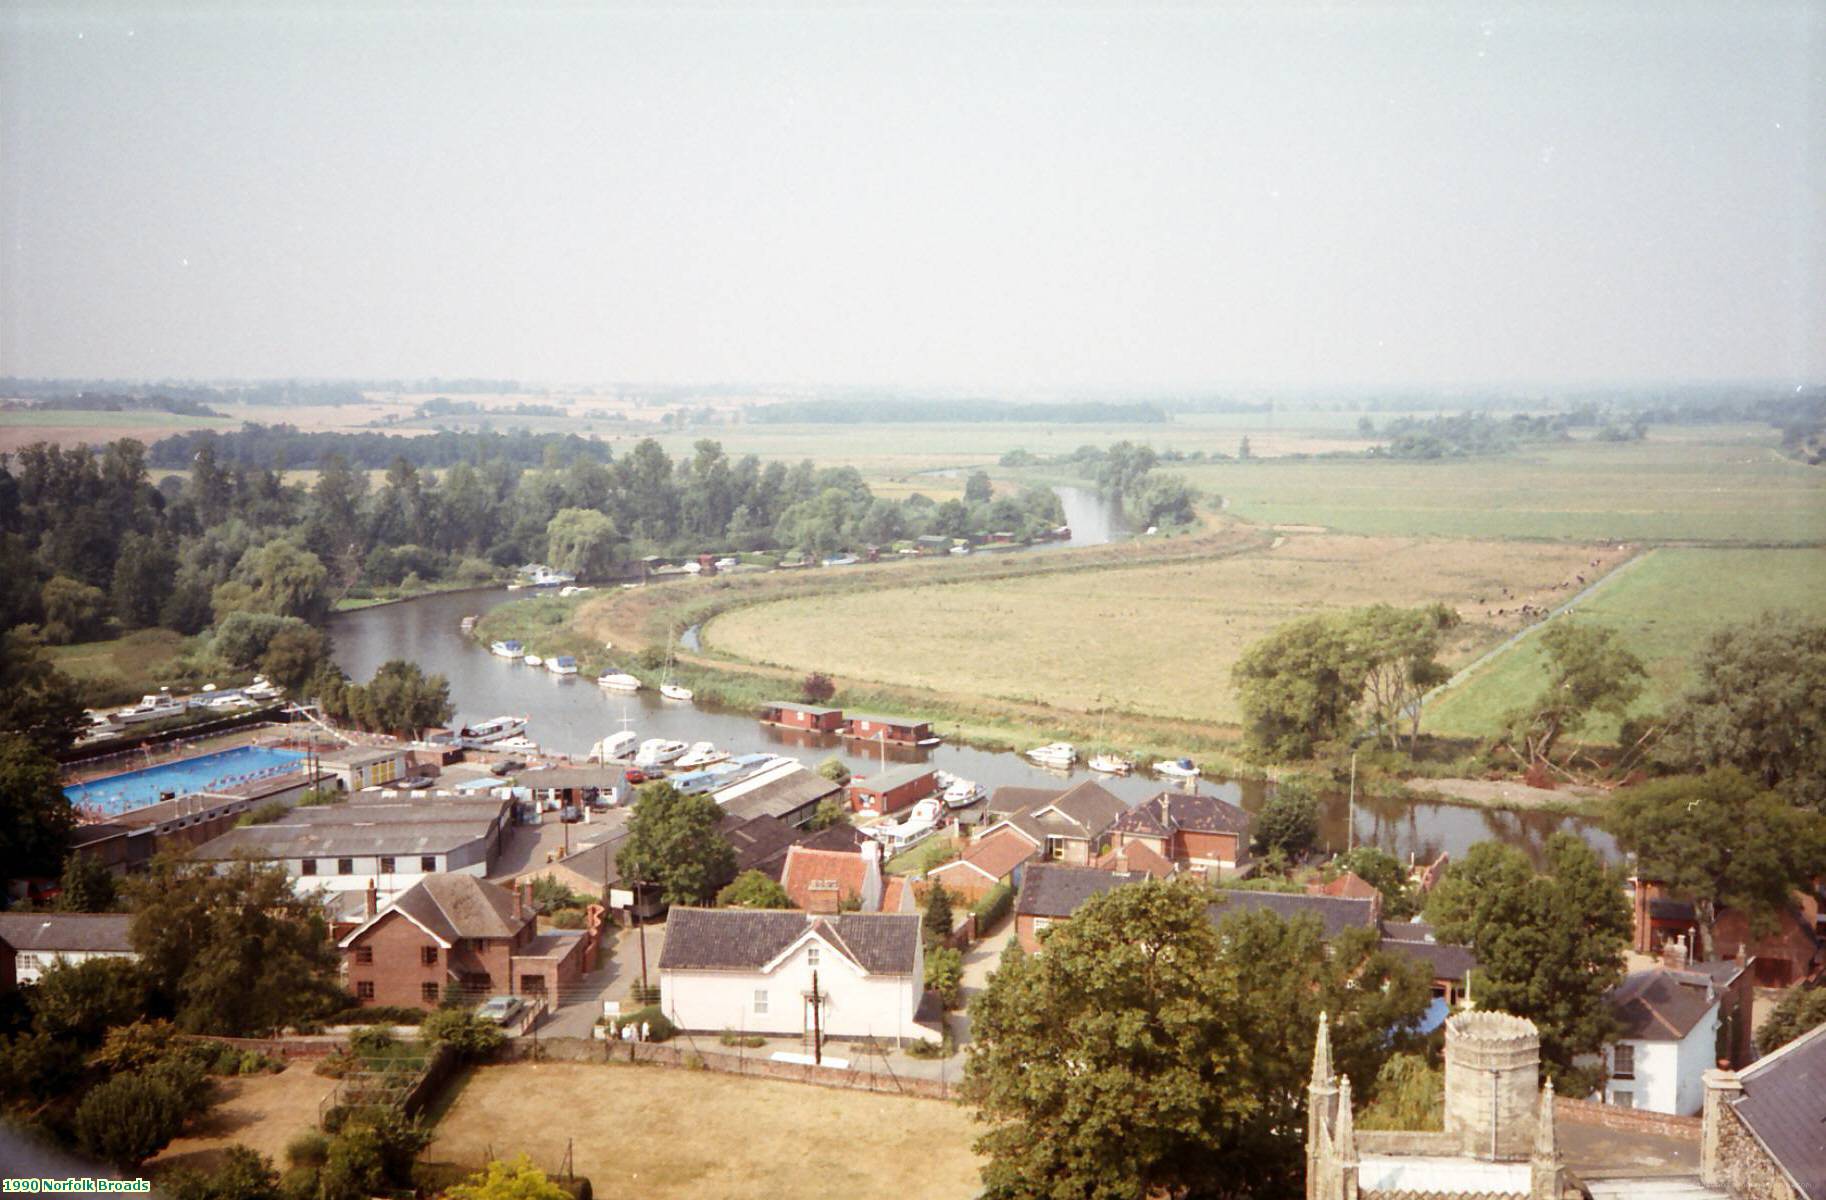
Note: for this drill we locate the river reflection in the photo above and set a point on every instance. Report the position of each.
(570, 714)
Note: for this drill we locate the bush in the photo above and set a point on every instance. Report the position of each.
(376, 1014)
(129, 1118)
(568, 918)
(993, 907)
(751, 1041)
(309, 1149)
(647, 994)
(945, 974)
(659, 1029)
(944, 1048)
(468, 1035)
(372, 1043)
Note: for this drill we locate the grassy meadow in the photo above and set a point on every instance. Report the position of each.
(1663, 608)
(1721, 484)
(1158, 639)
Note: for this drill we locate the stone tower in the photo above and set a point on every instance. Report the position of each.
(1321, 1106)
(1493, 1070)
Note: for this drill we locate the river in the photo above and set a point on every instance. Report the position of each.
(570, 714)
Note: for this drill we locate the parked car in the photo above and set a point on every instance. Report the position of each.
(500, 1009)
(507, 767)
(634, 775)
(570, 814)
(416, 783)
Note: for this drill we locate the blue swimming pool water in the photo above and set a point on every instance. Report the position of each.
(116, 794)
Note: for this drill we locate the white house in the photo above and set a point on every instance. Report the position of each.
(752, 971)
(36, 940)
(1670, 1022)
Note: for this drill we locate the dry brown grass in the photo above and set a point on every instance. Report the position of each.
(660, 1133)
(263, 1112)
(1157, 639)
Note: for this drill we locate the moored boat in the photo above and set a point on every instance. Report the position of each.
(657, 752)
(701, 754)
(563, 664)
(150, 708)
(673, 691)
(1057, 754)
(1178, 768)
(615, 747)
(962, 793)
(1110, 764)
(516, 745)
(617, 681)
(533, 660)
(507, 649)
(488, 733)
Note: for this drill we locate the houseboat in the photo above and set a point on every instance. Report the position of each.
(510, 649)
(563, 664)
(150, 708)
(618, 681)
(485, 734)
(896, 731)
(789, 715)
(615, 747)
(1058, 754)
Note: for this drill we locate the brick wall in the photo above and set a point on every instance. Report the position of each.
(682, 1054)
(1626, 1120)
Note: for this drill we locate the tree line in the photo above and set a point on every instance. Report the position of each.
(883, 410)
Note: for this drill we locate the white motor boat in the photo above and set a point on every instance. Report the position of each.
(617, 681)
(920, 820)
(516, 745)
(1058, 754)
(150, 708)
(615, 747)
(533, 660)
(1178, 768)
(262, 688)
(701, 754)
(673, 691)
(486, 734)
(962, 793)
(563, 664)
(508, 649)
(1109, 764)
(657, 752)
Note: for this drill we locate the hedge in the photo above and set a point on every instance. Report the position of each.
(993, 907)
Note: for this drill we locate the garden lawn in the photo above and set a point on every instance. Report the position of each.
(1663, 609)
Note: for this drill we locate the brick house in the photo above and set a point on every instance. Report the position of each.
(825, 881)
(997, 858)
(1787, 953)
(1065, 826)
(1201, 834)
(458, 935)
(891, 791)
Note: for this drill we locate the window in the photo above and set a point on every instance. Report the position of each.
(1623, 1099)
(386, 866)
(28, 962)
(811, 956)
(428, 992)
(364, 990)
(1623, 1061)
(760, 1001)
(427, 864)
(345, 866)
(428, 955)
(308, 867)
(364, 954)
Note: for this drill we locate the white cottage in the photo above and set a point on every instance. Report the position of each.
(752, 971)
(38, 940)
(1670, 1037)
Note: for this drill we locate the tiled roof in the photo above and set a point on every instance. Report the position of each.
(1000, 853)
(1137, 856)
(452, 907)
(1089, 805)
(40, 933)
(1335, 913)
(1166, 811)
(1053, 890)
(842, 871)
(1661, 1005)
(836, 837)
(1349, 885)
(757, 840)
(1415, 940)
(1784, 1105)
(745, 939)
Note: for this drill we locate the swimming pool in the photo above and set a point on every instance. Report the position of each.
(115, 794)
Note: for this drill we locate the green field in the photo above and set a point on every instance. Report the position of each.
(1718, 484)
(125, 668)
(1663, 608)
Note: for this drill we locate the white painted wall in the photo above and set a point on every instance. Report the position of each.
(855, 1004)
(1670, 1075)
(31, 964)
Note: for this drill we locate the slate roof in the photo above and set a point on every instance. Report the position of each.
(44, 933)
(887, 781)
(1784, 1105)
(760, 842)
(744, 939)
(452, 907)
(1089, 805)
(1415, 940)
(1335, 913)
(836, 837)
(1161, 814)
(1011, 798)
(777, 791)
(1053, 890)
(1661, 1004)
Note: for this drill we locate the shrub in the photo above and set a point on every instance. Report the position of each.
(243, 1175)
(993, 907)
(372, 1043)
(466, 1034)
(308, 1149)
(376, 1014)
(817, 688)
(568, 918)
(127, 1119)
(694, 1061)
(943, 1048)
(647, 994)
(945, 974)
(751, 1041)
(659, 1029)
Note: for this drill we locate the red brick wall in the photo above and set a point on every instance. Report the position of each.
(965, 884)
(1627, 1120)
(1218, 846)
(399, 971)
(892, 800)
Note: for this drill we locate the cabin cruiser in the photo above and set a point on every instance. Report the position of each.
(516, 745)
(701, 754)
(618, 681)
(1110, 764)
(546, 577)
(489, 732)
(615, 746)
(262, 688)
(507, 649)
(532, 660)
(1178, 768)
(563, 664)
(962, 793)
(150, 708)
(1058, 754)
(657, 752)
(920, 820)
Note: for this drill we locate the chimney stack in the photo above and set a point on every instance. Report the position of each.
(1674, 952)
(372, 904)
(519, 908)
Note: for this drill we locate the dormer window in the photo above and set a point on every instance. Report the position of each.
(811, 956)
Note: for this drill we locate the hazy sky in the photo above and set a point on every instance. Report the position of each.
(1121, 196)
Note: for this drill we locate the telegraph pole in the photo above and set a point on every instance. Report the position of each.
(817, 1025)
(1351, 835)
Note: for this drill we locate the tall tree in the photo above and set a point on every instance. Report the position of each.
(673, 842)
(37, 701)
(1399, 648)
(233, 952)
(1759, 704)
(1288, 825)
(1802, 1010)
(583, 542)
(1588, 675)
(88, 886)
(35, 815)
(1719, 839)
(1549, 944)
(1298, 687)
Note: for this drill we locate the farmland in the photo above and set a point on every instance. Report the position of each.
(1158, 639)
(1716, 484)
(1662, 608)
(656, 1133)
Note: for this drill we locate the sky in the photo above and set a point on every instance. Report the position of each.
(1040, 198)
